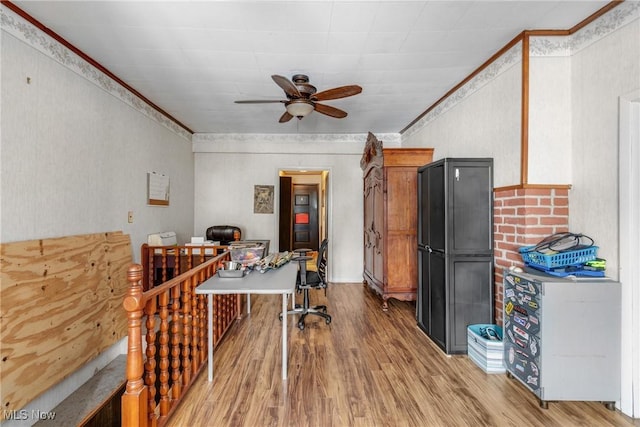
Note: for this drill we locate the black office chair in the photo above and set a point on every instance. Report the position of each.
(308, 280)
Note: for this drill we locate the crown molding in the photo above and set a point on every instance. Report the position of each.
(568, 45)
(287, 143)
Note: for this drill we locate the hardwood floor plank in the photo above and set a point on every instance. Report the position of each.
(367, 368)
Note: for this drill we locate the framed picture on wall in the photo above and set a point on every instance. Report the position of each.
(263, 199)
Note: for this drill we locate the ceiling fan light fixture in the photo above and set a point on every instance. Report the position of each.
(303, 98)
(299, 108)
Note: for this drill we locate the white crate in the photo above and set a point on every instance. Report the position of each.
(487, 354)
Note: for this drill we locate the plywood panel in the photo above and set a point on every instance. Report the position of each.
(60, 306)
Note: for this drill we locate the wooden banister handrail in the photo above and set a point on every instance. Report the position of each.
(173, 320)
(162, 263)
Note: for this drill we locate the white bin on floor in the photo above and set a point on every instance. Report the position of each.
(488, 354)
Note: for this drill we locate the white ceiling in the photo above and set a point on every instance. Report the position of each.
(193, 59)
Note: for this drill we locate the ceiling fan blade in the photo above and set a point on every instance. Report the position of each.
(330, 111)
(258, 101)
(285, 117)
(337, 93)
(287, 85)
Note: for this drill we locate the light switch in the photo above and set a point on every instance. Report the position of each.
(130, 217)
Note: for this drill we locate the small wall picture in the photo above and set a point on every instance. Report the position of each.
(263, 199)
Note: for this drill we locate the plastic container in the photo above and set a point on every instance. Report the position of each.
(247, 256)
(488, 354)
(560, 259)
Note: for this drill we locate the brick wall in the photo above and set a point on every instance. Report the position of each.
(523, 217)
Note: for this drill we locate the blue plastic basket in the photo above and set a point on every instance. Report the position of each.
(559, 259)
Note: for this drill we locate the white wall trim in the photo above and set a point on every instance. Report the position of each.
(608, 23)
(286, 143)
(629, 244)
(21, 29)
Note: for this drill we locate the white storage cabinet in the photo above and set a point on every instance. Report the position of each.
(562, 336)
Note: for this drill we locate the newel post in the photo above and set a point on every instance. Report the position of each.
(134, 400)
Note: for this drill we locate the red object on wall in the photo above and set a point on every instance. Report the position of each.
(302, 218)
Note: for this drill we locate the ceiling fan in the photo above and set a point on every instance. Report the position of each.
(303, 98)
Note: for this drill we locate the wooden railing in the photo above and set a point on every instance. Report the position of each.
(173, 321)
(162, 263)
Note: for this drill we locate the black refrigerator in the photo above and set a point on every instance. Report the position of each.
(455, 249)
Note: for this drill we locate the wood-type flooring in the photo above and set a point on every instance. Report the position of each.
(368, 368)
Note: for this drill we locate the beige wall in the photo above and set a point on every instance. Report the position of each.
(482, 120)
(550, 120)
(75, 158)
(226, 171)
(601, 73)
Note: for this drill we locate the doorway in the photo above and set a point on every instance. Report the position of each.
(303, 209)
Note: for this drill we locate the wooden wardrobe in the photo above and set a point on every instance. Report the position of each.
(390, 218)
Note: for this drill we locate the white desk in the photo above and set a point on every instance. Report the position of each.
(280, 281)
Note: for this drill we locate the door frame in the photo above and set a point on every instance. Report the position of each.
(628, 243)
(325, 198)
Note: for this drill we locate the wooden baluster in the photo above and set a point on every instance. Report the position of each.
(176, 387)
(164, 352)
(214, 313)
(134, 400)
(186, 331)
(225, 320)
(233, 302)
(176, 262)
(222, 315)
(150, 365)
(164, 264)
(202, 276)
(190, 258)
(216, 318)
(195, 356)
(232, 305)
(147, 273)
(202, 328)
